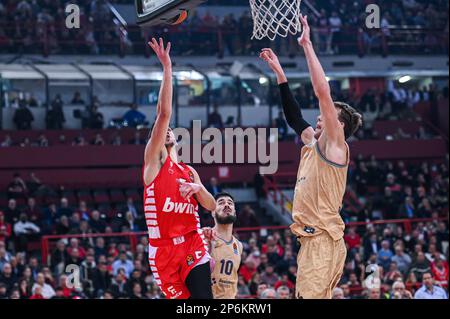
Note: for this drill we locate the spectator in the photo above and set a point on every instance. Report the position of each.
(247, 217)
(213, 187)
(7, 277)
(281, 124)
(284, 282)
(17, 188)
(384, 255)
(335, 23)
(374, 294)
(134, 118)
(393, 274)
(269, 275)
(25, 232)
(59, 257)
(5, 228)
(96, 223)
(283, 292)
(95, 119)
(243, 289)
(23, 117)
(439, 268)
(98, 140)
(33, 211)
(7, 142)
(420, 266)
(402, 259)
(269, 293)
(41, 288)
(248, 269)
(62, 225)
(137, 139)
(37, 293)
(64, 209)
(123, 263)
(101, 278)
(117, 140)
(429, 290)
(399, 291)
(12, 213)
(55, 118)
(77, 100)
(338, 293)
(352, 239)
(131, 207)
(214, 118)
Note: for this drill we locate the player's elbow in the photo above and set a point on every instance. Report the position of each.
(164, 114)
(322, 91)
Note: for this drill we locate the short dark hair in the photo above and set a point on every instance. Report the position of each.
(350, 117)
(223, 194)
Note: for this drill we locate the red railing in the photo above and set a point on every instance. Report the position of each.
(273, 191)
(133, 236)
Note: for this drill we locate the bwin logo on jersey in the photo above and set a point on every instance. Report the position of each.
(179, 208)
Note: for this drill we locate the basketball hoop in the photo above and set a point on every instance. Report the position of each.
(275, 17)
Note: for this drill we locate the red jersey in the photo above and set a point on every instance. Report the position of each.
(167, 213)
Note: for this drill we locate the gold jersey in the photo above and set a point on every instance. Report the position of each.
(227, 259)
(319, 192)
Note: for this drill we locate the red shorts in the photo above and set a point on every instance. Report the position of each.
(172, 261)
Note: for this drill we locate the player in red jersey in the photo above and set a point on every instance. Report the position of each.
(178, 252)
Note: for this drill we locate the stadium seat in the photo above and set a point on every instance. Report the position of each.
(133, 194)
(101, 196)
(70, 195)
(117, 196)
(85, 195)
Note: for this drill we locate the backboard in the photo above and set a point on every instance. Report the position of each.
(154, 12)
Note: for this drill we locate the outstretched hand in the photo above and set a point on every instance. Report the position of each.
(162, 53)
(187, 190)
(305, 38)
(271, 59)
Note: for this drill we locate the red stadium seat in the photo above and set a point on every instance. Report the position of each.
(133, 194)
(101, 196)
(85, 195)
(117, 196)
(70, 195)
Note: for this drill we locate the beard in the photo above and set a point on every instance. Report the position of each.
(226, 220)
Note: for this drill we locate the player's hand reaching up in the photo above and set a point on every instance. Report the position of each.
(162, 53)
(305, 38)
(272, 60)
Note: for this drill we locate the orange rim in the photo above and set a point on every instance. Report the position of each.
(181, 17)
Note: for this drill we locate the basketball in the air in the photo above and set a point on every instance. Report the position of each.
(180, 18)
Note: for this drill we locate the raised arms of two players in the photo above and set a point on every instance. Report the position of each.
(329, 114)
(157, 140)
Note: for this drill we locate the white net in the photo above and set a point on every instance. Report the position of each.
(275, 17)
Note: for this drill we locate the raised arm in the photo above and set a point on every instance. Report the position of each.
(157, 140)
(291, 108)
(321, 88)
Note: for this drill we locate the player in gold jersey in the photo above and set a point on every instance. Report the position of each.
(225, 249)
(321, 178)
